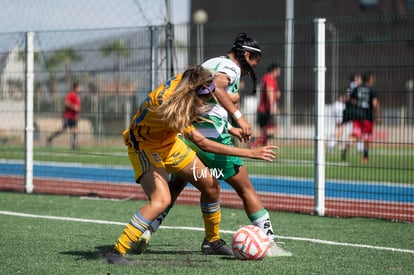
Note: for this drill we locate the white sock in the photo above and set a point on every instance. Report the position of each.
(263, 222)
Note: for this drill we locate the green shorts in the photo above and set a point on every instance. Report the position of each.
(221, 167)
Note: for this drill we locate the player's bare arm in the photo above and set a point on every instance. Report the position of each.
(235, 98)
(270, 92)
(266, 153)
(376, 106)
(221, 81)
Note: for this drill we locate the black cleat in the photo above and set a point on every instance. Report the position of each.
(218, 247)
(114, 257)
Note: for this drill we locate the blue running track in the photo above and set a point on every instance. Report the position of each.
(398, 193)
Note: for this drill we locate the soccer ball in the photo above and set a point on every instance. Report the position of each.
(250, 243)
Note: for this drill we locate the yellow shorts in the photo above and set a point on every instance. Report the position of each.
(173, 159)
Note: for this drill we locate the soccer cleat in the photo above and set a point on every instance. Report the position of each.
(364, 160)
(141, 245)
(115, 257)
(218, 247)
(276, 251)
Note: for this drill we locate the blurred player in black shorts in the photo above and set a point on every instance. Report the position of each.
(364, 109)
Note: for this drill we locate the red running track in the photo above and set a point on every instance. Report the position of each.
(278, 202)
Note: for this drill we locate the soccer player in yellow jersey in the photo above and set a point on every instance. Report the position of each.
(155, 150)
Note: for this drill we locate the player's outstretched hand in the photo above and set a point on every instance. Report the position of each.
(267, 153)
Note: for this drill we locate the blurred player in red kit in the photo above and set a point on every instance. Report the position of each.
(70, 116)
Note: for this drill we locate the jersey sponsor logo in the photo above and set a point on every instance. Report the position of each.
(156, 157)
(233, 69)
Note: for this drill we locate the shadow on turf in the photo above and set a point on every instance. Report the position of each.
(90, 255)
(185, 259)
(102, 250)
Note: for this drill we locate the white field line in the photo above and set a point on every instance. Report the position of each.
(17, 214)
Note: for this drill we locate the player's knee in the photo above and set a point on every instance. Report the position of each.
(212, 190)
(161, 204)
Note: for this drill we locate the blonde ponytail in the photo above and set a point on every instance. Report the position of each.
(184, 105)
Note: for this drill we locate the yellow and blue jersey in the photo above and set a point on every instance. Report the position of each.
(150, 141)
(146, 127)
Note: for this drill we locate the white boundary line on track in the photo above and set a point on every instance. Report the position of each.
(17, 214)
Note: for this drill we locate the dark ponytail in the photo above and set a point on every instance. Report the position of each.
(242, 44)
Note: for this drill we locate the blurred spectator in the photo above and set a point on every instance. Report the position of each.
(354, 81)
(364, 110)
(335, 114)
(70, 116)
(267, 109)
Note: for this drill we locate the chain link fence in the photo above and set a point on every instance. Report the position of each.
(118, 67)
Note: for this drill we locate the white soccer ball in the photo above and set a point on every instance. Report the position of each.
(250, 243)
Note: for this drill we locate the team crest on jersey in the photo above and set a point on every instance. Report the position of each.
(156, 157)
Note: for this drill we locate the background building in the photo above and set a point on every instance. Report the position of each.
(359, 35)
